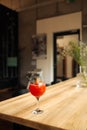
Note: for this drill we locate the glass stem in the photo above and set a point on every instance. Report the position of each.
(37, 102)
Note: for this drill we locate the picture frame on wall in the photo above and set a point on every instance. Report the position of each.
(39, 46)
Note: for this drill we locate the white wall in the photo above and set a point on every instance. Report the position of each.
(50, 26)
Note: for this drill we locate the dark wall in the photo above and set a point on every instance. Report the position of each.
(8, 47)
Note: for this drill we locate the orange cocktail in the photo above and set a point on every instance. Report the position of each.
(37, 89)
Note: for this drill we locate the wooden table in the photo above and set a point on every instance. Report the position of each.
(64, 105)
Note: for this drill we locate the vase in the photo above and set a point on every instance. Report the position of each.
(82, 77)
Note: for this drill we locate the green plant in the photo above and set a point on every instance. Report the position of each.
(78, 51)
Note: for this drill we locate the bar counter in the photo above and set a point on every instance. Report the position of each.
(64, 105)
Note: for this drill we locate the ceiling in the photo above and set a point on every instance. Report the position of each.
(20, 5)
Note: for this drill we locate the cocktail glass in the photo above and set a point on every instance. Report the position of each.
(37, 88)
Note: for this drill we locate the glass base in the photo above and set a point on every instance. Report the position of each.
(37, 111)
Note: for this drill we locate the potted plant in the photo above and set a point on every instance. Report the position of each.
(78, 51)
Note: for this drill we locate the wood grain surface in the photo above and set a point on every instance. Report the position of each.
(64, 105)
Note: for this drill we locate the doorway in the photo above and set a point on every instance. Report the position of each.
(66, 68)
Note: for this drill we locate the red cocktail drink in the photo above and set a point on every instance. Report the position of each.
(37, 89)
